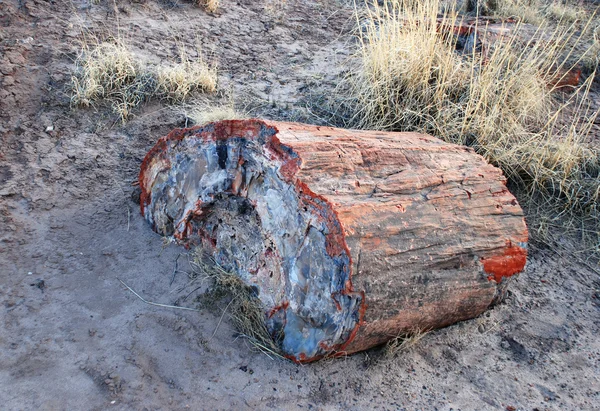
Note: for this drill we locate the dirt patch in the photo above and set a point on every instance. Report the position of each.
(67, 221)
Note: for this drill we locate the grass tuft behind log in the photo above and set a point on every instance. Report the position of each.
(202, 112)
(502, 101)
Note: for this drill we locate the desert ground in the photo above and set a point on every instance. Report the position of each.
(73, 337)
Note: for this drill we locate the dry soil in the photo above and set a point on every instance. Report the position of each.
(72, 337)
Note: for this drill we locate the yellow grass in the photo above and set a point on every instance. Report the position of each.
(412, 78)
(205, 113)
(528, 11)
(591, 61)
(243, 307)
(275, 8)
(110, 72)
(531, 11)
(211, 5)
(404, 343)
(178, 81)
(562, 12)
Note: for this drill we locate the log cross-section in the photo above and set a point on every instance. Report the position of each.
(350, 238)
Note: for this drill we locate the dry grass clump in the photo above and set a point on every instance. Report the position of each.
(412, 78)
(179, 81)
(592, 60)
(107, 67)
(108, 71)
(210, 5)
(404, 343)
(239, 301)
(530, 11)
(563, 12)
(206, 113)
(275, 8)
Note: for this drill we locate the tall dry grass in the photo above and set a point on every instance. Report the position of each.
(413, 78)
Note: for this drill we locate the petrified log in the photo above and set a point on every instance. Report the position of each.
(350, 238)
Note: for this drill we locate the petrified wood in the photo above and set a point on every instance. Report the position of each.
(350, 238)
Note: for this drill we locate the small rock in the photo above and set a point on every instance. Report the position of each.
(135, 195)
(6, 68)
(39, 283)
(15, 58)
(8, 81)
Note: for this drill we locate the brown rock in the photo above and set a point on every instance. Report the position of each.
(350, 237)
(6, 68)
(15, 58)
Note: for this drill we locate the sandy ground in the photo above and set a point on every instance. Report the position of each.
(72, 337)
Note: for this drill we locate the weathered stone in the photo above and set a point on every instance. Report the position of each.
(351, 238)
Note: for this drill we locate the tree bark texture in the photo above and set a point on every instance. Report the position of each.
(350, 238)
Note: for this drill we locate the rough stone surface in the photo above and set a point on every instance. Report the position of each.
(350, 237)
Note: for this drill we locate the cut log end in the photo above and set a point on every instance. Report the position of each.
(295, 211)
(230, 187)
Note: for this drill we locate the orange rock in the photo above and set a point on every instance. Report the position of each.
(565, 80)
